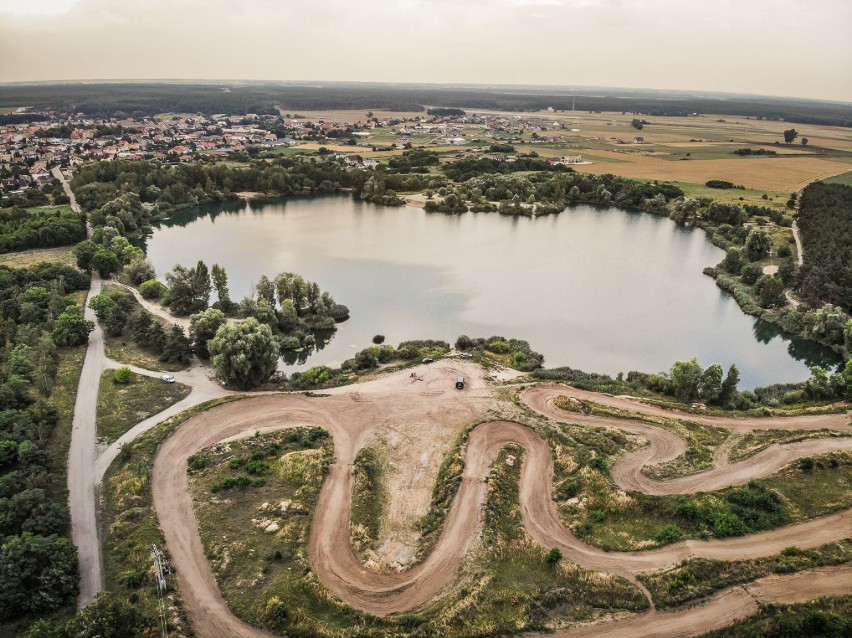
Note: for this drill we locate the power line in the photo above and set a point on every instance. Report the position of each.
(161, 565)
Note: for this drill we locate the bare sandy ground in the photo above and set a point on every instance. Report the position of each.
(353, 415)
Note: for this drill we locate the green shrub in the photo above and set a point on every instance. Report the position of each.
(123, 375)
(152, 289)
(669, 534)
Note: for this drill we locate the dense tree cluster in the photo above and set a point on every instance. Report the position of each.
(825, 221)
(465, 169)
(38, 565)
(21, 229)
(120, 315)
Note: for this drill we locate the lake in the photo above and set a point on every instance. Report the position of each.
(598, 289)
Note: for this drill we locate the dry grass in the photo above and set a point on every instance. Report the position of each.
(27, 258)
(771, 174)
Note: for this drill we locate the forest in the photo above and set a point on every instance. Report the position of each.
(21, 229)
(39, 322)
(139, 99)
(825, 221)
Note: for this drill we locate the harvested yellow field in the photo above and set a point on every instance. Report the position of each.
(773, 174)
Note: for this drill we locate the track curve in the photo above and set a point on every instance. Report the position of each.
(350, 423)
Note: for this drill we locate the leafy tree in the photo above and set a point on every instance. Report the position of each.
(203, 327)
(751, 273)
(108, 616)
(83, 253)
(105, 262)
(733, 261)
(686, 378)
(244, 352)
(805, 141)
(181, 292)
(220, 281)
(790, 135)
(70, 328)
(265, 291)
(139, 269)
(758, 244)
(829, 323)
(770, 291)
(710, 385)
(37, 574)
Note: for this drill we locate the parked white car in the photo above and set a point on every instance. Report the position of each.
(168, 378)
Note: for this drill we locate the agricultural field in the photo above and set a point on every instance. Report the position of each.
(685, 150)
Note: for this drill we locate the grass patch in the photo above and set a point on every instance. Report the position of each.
(753, 442)
(124, 350)
(121, 406)
(27, 258)
(699, 577)
(815, 486)
(130, 526)
(843, 178)
(589, 502)
(821, 618)
(701, 440)
(368, 499)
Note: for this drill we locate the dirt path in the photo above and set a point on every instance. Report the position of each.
(352, 417)
(800, 255)
(82, 490)
(155, 309)
(665, 446)
(723, 608)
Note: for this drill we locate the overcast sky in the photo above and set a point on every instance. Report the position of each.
(772, 47)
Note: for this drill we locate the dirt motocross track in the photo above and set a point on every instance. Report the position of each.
(352, 414)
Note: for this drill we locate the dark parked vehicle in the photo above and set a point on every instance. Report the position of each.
(460, 383)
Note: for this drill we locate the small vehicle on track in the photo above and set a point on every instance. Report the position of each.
(427, 360)
(459, 382)
(466, 355)
(168, 378)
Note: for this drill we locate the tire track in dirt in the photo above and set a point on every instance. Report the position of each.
(351, 424)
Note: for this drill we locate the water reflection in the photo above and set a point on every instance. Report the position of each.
(598, 289)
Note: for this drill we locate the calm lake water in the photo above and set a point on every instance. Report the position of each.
(599, 289)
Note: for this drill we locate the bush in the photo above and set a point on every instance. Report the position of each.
(669, 534)
(719, 183)
(122, 376)
(553, 557)
(152, 289)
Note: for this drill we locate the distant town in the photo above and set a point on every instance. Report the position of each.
(30, 149)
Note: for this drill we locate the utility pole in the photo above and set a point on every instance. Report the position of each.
(161, 566)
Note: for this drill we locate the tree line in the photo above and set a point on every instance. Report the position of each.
(825, 221)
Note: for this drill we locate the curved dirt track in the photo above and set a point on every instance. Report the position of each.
(665, 446)
(350, 416)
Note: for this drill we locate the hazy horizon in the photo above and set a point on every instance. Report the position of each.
(780, 48)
